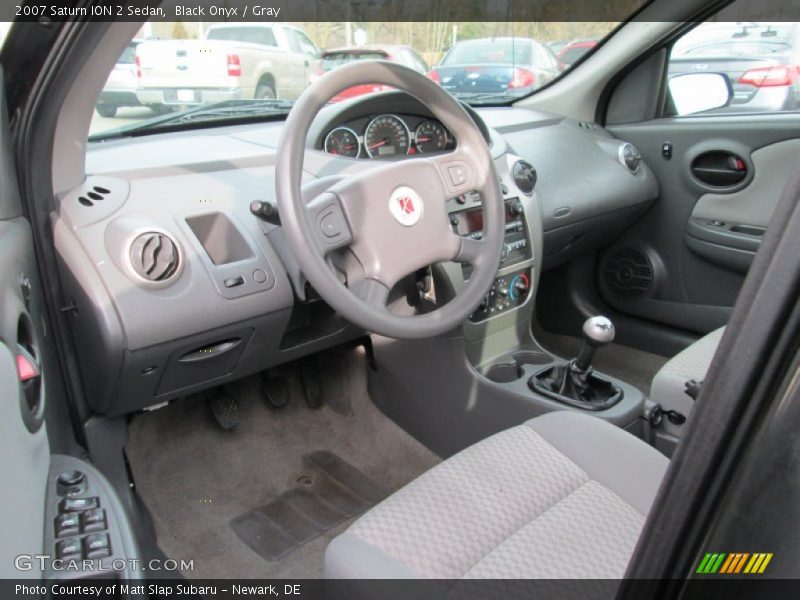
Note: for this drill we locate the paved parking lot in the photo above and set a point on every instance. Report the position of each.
(123, 117)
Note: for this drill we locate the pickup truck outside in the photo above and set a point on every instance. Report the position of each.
(233, 61)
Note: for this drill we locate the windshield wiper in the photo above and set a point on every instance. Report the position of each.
(483, 98)
(218, 111)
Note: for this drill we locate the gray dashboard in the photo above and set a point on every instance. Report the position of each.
(231, 302)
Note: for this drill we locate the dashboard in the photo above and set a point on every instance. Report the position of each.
(387, 135)
(177, 286)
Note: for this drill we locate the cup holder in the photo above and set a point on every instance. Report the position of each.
(504, 372)
(511, 371)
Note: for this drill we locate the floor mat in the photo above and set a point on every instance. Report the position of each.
(633, 366)
(196, 478)
(335, 493)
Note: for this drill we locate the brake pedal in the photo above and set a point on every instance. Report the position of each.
(309, 375)
(274, 389)
(225, 408)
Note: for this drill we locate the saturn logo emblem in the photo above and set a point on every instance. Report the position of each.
(405, 205)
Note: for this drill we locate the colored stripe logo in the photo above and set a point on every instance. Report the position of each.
(734, 563)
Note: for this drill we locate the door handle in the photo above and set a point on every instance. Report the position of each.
(719, 168)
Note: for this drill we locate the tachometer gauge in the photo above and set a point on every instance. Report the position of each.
(430, 137)
(342, 142)
(387, 135)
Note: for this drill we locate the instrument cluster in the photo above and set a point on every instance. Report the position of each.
(388, 135)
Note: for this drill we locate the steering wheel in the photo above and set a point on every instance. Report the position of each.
(392, 217)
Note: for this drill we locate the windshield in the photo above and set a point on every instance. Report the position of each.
(506, 52)
(184, 74)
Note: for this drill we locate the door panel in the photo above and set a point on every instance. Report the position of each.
(24, 448)
(695, 245)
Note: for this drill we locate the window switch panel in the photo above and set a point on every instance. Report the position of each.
(78, 504)
(97, 545)
(69, 548)
(93, 520)
(67, 524)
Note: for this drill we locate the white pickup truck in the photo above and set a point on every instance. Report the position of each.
(233, 61)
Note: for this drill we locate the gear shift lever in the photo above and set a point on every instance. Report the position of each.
(574, 382)
(597, 332)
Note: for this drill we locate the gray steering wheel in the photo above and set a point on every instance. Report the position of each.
(392, 217)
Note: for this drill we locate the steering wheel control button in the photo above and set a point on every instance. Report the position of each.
(259, 276)
(78, 504)
(233, 282)
(406, 206)
(68, 524)
(331, 227)
(92, 520)
(97, 545)
(459, 174)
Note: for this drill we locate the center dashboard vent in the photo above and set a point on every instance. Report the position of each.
(154, 256)
(524, 176)
(629, 272)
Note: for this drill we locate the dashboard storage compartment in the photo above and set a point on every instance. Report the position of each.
(220, 238)
(196, 363)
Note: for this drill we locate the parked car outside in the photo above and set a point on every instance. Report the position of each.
(574, 51)
(330, 59)
(760, 59)
(238, 61)
(514, 66)
(120, 88)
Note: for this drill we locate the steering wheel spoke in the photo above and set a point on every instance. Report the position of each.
(460, 171)
(470, 251)
(328, 223)
(371, 291)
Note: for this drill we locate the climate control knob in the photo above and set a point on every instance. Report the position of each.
(518, 286)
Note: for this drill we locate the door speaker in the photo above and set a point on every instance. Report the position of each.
(628, 272)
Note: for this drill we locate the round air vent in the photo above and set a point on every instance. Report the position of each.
(628, 272)
(154, 256)
(630, 157)
(524, 176)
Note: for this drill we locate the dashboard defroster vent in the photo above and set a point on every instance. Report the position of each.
(93, 195)
(524, 176)
(154, 256)
(628, 272)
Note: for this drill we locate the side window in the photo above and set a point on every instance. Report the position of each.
(756, 62)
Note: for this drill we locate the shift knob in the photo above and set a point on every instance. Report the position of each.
(597, 332)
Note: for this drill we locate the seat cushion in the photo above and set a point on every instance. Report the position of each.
(533, 501)
(669, 385)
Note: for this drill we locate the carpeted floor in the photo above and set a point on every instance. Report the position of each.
(628, 364)
(196, 478)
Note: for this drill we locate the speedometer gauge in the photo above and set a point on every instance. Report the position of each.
(387, 135)
(430, 137)
(342, 142)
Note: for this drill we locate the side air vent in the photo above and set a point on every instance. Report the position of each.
(629, 272)
(154, 256)
(524, 176)
(94, 194)
(630, 157)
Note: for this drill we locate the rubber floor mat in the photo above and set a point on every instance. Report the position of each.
(333, 493)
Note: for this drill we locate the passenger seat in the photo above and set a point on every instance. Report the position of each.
(669, 385)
